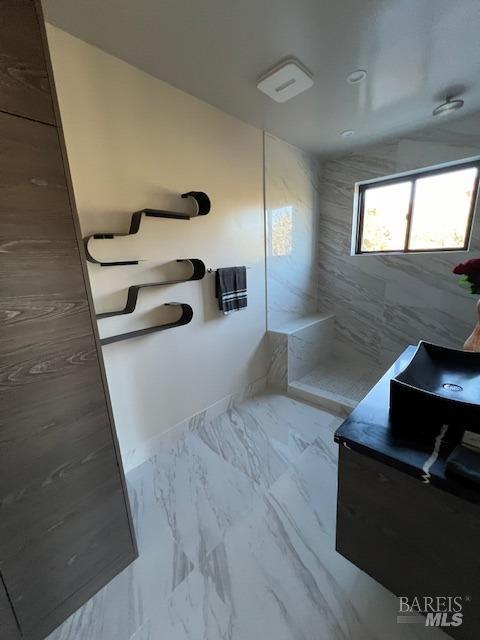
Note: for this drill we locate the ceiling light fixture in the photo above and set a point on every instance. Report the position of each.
(285, 81)
(448, 106)
(348, 133)
(356, 76)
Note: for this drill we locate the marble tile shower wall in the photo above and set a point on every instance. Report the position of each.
(292, 180)
(383, 303)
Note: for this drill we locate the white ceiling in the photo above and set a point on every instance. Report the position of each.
(415, 51)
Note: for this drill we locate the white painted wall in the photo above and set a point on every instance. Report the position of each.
(134, 141)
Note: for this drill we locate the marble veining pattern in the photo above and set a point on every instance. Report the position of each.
(135, 457)
(384, 303)
(344, 376)
(238, 438)
(291, 199)
(309, 346)
(235, 524)
(277, 374)
(296, 348)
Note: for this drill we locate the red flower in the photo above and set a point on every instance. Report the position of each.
(468, 268)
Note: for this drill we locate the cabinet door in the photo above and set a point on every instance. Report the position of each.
(413, 538)
(24, 86)
(8, 625)
(64, 529)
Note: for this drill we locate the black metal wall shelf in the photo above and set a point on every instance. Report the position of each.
(202, 204)
(185, 318)
(198, 272)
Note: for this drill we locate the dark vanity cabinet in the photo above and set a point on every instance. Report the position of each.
(8, 624)
(401, 517)
(65, 524)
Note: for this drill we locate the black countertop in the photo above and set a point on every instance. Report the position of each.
(419, 451)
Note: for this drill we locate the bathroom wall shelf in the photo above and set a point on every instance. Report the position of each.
(198, 272)
(185, 318)
(202, 207)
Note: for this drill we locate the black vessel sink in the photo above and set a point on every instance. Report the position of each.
(439, 386)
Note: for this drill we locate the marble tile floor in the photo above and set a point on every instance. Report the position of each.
(235, 526)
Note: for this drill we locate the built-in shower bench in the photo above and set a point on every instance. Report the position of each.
(310, 364)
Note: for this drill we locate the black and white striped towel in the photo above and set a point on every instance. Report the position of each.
(231, 288)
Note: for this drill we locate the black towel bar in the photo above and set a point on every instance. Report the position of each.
(185, 318)
(202, 205)
(212, 270)
(198, 272)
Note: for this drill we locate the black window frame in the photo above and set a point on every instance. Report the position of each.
(413, 176)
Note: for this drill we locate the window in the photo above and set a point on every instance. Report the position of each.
(427, 210)
(282, 231)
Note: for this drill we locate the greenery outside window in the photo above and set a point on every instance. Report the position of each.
(427, 210)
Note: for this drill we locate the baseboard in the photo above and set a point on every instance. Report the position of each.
(142, 453)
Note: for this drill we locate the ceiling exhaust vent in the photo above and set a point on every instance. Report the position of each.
(285, 81)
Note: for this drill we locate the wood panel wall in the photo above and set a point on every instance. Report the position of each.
(65, 524)
(25, 87)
